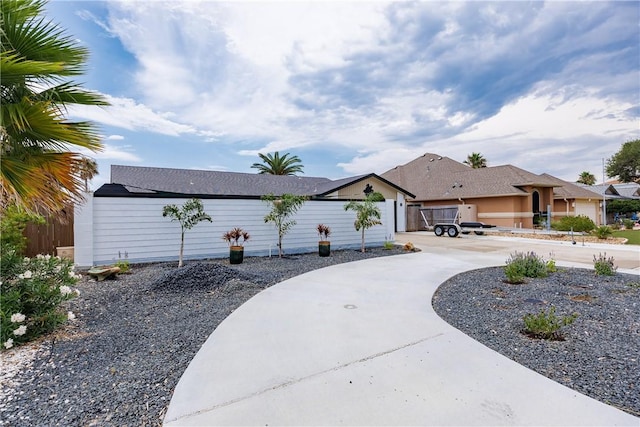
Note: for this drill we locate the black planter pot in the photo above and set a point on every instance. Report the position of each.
(324, 249)
(236, 254)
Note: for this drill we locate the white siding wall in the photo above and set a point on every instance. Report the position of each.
(135, 228)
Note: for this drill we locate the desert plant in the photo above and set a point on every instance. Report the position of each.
(546, 325)
(31, 293)
(514, 272)
(578, 224)
(521, 265)
(236, 237)
(388, 245)
(603, 232)
(123, 265)
(604, 266)
(282, 208)
(191, 213)
(323, 232)
(367, 213)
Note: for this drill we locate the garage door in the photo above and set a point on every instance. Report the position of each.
(589, 209)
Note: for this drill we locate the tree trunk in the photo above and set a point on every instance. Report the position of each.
(362, 249)
(181, 249)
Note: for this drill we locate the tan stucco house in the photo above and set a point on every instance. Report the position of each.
(505, 196)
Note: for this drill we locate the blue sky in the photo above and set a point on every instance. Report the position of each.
(359, 87)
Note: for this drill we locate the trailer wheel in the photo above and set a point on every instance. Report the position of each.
(479, 233)
(452, 232)
(438, 230)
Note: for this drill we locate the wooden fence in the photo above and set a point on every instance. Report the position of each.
(57, 231)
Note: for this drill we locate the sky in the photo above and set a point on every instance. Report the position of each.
(355, 87)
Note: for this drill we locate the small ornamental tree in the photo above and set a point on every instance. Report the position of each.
(367, 213)
(282, 207)
(191, 213)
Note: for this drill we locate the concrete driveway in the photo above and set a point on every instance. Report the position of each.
(359, 344)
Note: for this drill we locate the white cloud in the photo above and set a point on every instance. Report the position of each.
(126, 113)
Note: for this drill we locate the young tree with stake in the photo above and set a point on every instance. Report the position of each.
(191, 213)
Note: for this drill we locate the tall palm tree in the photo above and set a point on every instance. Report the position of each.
(586, 178)
(40, 172)
(88, 169)
(279, 165)
(476, 161)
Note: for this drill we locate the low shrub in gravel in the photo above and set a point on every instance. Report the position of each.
(604, 266)
(31, 293)
(546, 325)
(521, 265)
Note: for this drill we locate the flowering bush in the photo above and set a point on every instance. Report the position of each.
(31, 292)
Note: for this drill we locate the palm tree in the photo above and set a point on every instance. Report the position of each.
(476, 161)
(279, 165)
(88, 169)
(586, 178)
(39, 170)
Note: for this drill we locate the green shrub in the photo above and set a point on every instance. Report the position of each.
(521, 265)
(604, 266)
(515, 272)
(123, 265)
(14, 221)
(31, 292)
(603, 232)
(546, 325)
(628, 223)
(388, 245)
(579, 224)
(551, 266)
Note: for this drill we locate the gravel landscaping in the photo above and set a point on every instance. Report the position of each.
(119, 361)
(600, 354)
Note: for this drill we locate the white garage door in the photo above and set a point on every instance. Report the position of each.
(589, 209)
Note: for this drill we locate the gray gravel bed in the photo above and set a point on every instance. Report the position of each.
(118, 363)
(600, 354)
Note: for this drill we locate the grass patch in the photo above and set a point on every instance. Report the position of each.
(632, 235)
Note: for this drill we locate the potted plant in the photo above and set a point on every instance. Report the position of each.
(324, 245)
(236, 238)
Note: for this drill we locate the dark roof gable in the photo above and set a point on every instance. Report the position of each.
(202, 183)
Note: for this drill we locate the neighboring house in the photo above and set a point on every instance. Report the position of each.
(615, 191)
(629, 190)
(572, 199)
(505, 196)
(124, 219)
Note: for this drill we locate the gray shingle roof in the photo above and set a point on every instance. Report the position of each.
(569, 190)
(152, 180)
(434, 177)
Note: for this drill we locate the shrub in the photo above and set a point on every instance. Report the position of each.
(603, 231)
(388, 245)
(31, 293)
(521, 265)
(123, 265)
(14, 221)
(546, 325)
(628, 223)
(604, 266)
(580, 223)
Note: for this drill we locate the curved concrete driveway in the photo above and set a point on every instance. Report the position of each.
(359, 344)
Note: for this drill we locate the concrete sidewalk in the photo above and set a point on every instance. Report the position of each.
(359, 344)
